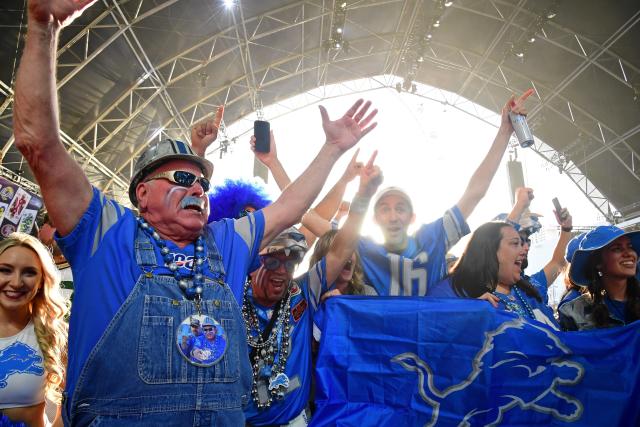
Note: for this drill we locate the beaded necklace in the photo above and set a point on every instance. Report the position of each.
(523, 309)
(267, 350)
(192, 288)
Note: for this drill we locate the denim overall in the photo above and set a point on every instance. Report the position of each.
(135, 374)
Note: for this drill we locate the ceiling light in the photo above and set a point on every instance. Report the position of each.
(532, 39)
(420, 58)
(429, 36)
(229, 3)
(436, 23)
(343, 5)
(339, 30)
(520, 54)
(551, 14)
(448, 3)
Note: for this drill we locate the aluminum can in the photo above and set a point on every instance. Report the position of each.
(520, 126)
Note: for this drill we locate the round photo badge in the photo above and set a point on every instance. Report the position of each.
(201, 340)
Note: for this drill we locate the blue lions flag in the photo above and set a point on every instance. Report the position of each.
(453, 362)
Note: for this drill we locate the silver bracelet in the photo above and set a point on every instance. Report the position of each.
(359, 204)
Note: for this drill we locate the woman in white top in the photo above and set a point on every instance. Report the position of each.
(33, 333)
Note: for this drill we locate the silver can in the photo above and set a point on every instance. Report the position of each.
(520, 126)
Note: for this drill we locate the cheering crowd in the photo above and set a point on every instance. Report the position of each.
(186, 311)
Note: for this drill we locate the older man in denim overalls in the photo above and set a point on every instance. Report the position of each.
(139, 280)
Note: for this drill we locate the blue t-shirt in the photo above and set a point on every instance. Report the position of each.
(100, 250)
(541, 311)
(214, 348)
(421, 264)
(539, 280)
(304, 301)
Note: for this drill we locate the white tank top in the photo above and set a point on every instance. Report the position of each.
(22, 374)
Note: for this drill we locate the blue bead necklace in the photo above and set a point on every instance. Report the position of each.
(192, 288)
(523, 309)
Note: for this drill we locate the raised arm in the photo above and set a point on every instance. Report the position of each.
(271, 161)
(296, 198)
(65, 188)
(316, 221)
(346, 239)
(329, 204)
(556, 264)
(205, 132)
(482, 177)
(524, 196)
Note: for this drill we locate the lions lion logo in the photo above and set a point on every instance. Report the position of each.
(542, 367)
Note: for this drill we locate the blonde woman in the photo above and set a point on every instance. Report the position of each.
(33, 333)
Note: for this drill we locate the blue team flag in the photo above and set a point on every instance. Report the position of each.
(454, 362)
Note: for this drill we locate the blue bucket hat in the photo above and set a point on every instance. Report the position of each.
(596, 239)
(573, 246)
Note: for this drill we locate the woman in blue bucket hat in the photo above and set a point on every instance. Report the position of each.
(606, 263)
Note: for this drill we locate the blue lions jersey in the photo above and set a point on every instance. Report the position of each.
(421, 264)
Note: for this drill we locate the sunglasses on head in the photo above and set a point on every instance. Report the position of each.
(272, 264)
(208, 329)
(182, 178)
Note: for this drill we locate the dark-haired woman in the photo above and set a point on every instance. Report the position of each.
(490, 269)
(607, 264)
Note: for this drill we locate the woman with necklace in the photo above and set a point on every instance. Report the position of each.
(490, 269)
(33, 333)
(607, 265)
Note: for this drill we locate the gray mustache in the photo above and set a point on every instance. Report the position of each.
(191, 201)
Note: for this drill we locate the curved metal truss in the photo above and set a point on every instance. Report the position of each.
(485, 74)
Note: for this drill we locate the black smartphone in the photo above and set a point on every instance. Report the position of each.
(556, 205)
(261, 132)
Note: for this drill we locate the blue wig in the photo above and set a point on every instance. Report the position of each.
(231, 198)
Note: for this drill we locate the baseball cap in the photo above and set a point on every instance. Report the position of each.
(160, 153)
(596, 239)
(290, 240)
(529, 222)
(396, 191)
(573, 246)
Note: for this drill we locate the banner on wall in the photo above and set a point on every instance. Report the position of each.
(18, 208)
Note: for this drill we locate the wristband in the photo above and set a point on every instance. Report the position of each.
(359, 204)
(567, 229)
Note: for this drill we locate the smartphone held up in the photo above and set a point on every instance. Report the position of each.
(261, 130)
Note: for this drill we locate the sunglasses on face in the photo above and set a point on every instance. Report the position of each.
(208, 329)
(182, 178)
(272, 264)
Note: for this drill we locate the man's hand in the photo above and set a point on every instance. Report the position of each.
(345, 132)
(57, 12)
(516, 106)
(353, 168)
(370, 178)
(267, 159)
(564, 218)
(524, 196)
(205, 132)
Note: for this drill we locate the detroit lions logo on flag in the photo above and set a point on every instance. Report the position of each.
(19, 358)
(547, 365)
(456, 362)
